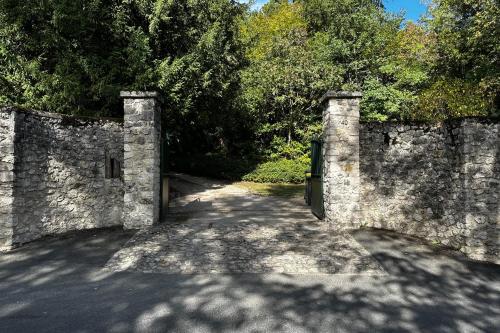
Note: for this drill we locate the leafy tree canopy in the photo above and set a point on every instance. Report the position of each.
(286, 75)
(241, 82)
(467, 50)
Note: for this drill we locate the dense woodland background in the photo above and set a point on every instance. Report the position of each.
(241, 88)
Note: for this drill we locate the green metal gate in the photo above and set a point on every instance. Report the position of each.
(317, 179)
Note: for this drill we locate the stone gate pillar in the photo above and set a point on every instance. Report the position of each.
(7, 160)
(141, 169)
(341, 179)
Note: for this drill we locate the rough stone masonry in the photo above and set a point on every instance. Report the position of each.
(60, 173)
(53, 174)
(142, 132)
(341, 159)
(6, 178)
(436, 181)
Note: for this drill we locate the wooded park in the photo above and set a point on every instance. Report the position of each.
(241, 87)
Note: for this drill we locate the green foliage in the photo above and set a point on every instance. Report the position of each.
(279, 148)
(361, 47)
(69, 56)
(298, 150)
(279, 171)
(358, 32)
(382, 102)
(468, 44)
(392, 91)
(240, 83)
(75, 57)
(214, 166)
(286, 75)
(450, 98)
(261, 30)
(199, 55)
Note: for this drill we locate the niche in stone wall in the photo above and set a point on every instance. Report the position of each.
(113, 167)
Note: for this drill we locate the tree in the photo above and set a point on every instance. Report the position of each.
(467, 65)
(358, 33)
(285, 77)
(392, 91)
(361, 40)
(74, 56)
(197, 58)
(68, 56)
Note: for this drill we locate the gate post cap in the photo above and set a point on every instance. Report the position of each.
(139, 94)
(332, 94)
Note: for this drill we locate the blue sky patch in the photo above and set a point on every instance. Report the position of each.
(412, 9)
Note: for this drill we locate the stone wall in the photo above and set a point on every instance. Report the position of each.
(54, 176)
(440, 182)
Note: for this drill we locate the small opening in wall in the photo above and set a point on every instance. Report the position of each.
(113, 168)
(387, 139)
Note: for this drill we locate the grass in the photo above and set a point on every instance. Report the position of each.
(272, 189)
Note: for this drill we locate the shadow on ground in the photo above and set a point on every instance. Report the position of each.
(58, 286)
(61, 285)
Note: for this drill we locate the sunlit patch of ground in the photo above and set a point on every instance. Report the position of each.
(270, 189)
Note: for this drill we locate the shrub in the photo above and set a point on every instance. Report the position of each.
(213, 166)
(279, 149)
(279, 171)
(233, 168)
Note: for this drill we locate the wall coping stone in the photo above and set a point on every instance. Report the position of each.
(331, 94)
(81, 120)
(446, 122)
(138, 94)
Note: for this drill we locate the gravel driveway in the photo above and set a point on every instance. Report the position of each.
(214, 227)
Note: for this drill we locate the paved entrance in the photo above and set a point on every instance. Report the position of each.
(58, 285)
(216, 227)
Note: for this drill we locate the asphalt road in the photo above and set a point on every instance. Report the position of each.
(58, 285)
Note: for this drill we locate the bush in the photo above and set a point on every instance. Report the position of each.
(213, 166)
(232, 168)
(279, 171)
(280, 149)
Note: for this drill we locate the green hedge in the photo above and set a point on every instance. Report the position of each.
(213, 166)
(280, 171)
(222, 167)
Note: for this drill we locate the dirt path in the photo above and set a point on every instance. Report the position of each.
(200, 194)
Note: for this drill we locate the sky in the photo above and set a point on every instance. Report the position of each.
(413, 8)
